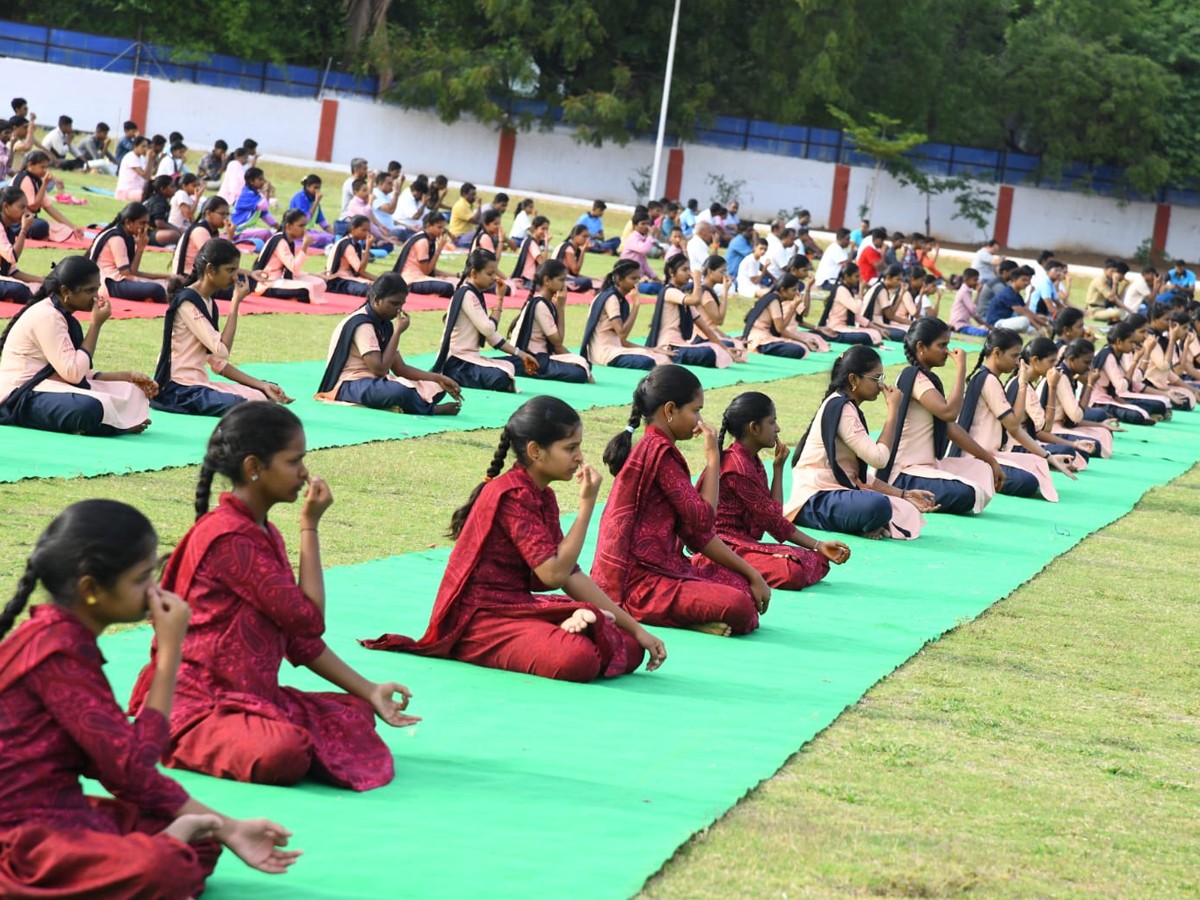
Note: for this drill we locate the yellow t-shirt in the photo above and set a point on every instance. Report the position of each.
(460, 218)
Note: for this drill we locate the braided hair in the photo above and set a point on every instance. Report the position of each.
(925, 330)
(622, 269)
(998, 339)
(542, 420)
(663, 385)
(742, 412)
(256, 428)
(216, 252)
(98, 538)
(858, 359)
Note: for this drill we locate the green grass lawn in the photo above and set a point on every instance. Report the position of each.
(1049, 748)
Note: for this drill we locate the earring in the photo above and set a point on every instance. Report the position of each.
(91, 600)
(254, 478)
(670, 419)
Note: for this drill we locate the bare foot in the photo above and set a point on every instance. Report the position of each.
(579, 621)
(447, 409)
(877, 535)
(137, 429)
(193, 827)
(720, 629)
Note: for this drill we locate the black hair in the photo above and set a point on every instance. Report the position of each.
(787, 281)
(578, 230)
(98, 538)
(1079, 347)
(187, 179)
(131, 213)
(10, 195)
(1157, 311)
(18, 102)
(477, 261)
(1121, 331)
(714, 262)
(538, 222)
(215, 252)
(970, 273)
(998, 339)
(1023, 272)
(175, 137)
(893, 271)
(500, 198)
(256, 428)
(35, 157)
(1039, 348)
(1137, 320)
(65, 121)
(71, 273)
(665, 384)
(254, 172)
(672, 265)
(159, 139)
(858, 359)
(1009, 265)
(842, 233)
(742, 412)
(543, 420)
(239, 153)
(924, 330)
(130, 125)
(355, 185)
(156, 185)
(621, 269)
(220, 145)
(213, 204)
(551, 268)
(291, 217)
(387, 285)
(433, 218)
(310, 180)
(176, 146)
(250, 144)
(359, 222)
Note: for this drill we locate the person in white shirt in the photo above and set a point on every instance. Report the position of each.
(234, 178)
(358, 169)
(780, 253)
(836, 255)
(1140, 289)
(986, 261)
(410, 207)
(171, 165)
(526, 210)
(183, 203)
(749, 275)
(385, 198)
(57, 143)
(699, 245)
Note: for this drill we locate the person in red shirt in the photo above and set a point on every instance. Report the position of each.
(870, 257)
(653, 511)
(59, 721)
(508, 545)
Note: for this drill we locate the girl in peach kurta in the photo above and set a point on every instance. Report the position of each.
(15, 222)
(34, 182)
(538, 327)
(1161, 377)
(192, 342)
(831, 487)
(990, 419)
(926, 427)
(533, 251)
(845, 319)
(677, 319)
(347, 266)
(212, 222)
(1068, 412)
(1041, 401)
(610, 321)
(118, 250)
(280, 263)
(1118, 365)
(469, 327)
(46, 376)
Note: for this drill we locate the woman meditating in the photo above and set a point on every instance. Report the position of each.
(509, 548)
(365, 366)
(59, 721)
(610, 321)
(232, 718)
(653, 512)
(47, 379)
(193, 341)
(925, 428)
(749, 507)
(832, 489)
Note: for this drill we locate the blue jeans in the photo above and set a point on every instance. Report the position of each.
(194, 400)
(64, 413)
(696, 356)
(790, 349)
(632, 361)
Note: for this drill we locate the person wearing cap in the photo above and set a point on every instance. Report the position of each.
(594, 222)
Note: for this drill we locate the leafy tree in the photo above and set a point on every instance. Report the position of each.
(880, 141)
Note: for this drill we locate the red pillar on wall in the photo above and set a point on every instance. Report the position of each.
(140, 104)
(837, 203)
(1162, 227)
(326, 130)
(1003, 214)
(674, 172)
(504, 158)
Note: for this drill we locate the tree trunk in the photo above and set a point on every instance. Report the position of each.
(366, 23)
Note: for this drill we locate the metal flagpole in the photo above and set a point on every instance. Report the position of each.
(666, 98)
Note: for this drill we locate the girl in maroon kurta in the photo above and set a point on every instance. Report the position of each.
(232, 717)
(653, 511)
(59, 721)
(749, 508)
(508, 546)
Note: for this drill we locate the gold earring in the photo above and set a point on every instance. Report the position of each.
(91, 600)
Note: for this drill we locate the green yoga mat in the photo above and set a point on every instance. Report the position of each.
(175, 440)
(515, 786)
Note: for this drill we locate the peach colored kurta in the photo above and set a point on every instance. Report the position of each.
(914, 455)
(544, 324)
(1112, 378)
(1036, 413)
(473, 327)
(846, 315)
(189, 248)
(284, 260)
(195, 345)
(1066, 406)
(366, 341)
(59, 233)
(812, 475)
(1158, 370)
(40, 338)
(989, 433)
(670, 335)
(348, 266)
(9, 256)
(605, 345)
(760, 329)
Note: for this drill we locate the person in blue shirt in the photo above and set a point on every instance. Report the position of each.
(125, 144)
(856, 236)
(594, 222)
(1043, 296)
(252, 204)
(740, 247)
(308, 201)
(1183, 279)
(687, 218)
(1008, 310)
